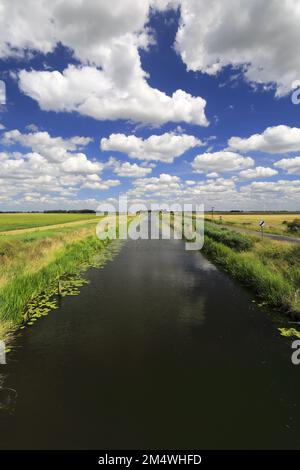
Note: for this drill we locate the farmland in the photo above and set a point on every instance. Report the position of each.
(16, 221)
(274, 222)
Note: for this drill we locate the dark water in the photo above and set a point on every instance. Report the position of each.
(160, 350)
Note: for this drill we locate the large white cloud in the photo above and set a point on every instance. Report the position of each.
(110, 82)
(277, 139)
(222, 161)
(97, 93)
(88, 27)
(163, 148)
(258, 35)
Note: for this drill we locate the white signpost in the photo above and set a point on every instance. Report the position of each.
(262, 224)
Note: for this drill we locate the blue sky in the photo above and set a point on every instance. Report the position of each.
(146, 100)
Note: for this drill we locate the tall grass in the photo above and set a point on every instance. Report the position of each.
(234, 240)
(23, 287)
(270, 268)
(272, 287)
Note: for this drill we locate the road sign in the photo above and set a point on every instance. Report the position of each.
(261, 224)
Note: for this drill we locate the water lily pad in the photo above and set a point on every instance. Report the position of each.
(69, 284)
(289, 332)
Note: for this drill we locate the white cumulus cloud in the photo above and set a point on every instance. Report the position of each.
(222, 161)
(258, 35)
(53, 148)
(52, 171)
(277, 139)
(79, 163)
(164, 184)
(95, 93)
(127, 169)
(290, 165)
(101, 185)
(258, 172)
(109, 82)
(164, 148)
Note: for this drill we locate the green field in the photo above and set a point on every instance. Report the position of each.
(18, 221)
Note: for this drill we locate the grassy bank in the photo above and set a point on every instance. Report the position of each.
(32, 263)
(233, 240)
(269, 268)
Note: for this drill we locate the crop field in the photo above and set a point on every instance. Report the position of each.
(18, 221)
(274, 223)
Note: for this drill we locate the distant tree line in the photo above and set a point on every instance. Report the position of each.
(58, 211)
(79, 211)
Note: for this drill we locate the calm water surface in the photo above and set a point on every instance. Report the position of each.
(160, 350)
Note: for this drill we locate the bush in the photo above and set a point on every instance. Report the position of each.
(234, 240)
(293, 226)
